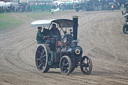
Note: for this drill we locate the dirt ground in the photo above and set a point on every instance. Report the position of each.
(100, 35)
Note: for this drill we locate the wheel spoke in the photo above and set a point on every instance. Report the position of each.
(40, 65)
(39, 52)
(87, 70)
(65, 71)
(44, 58)
(44, 55)
(66, 64)
(38, 59)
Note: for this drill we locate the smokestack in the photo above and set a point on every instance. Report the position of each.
(75, 27)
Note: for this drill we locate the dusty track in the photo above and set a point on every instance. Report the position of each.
(100, 35)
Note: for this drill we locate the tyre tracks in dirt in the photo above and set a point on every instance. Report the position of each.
(100, 37)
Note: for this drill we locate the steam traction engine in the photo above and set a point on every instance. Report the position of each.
(125, 26)
(63, 53)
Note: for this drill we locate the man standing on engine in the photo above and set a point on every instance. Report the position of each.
(40, 36)
(54, 32)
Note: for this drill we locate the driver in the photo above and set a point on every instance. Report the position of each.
(54, 32)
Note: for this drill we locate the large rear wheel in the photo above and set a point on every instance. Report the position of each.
(86, 65)
(65, 65)
(41, 58)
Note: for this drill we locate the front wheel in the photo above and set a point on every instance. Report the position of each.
(86, 65)
(65, 65)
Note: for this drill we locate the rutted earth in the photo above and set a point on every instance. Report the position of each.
(100, 35)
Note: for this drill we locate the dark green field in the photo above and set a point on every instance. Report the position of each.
(8, 21)
(11, 20)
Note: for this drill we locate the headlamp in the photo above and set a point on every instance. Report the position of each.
(77, 51)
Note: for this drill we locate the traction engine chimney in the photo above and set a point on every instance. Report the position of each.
(75, 27)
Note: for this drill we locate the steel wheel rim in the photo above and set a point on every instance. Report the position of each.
(86, 65)
(65, 66)
(41, 58)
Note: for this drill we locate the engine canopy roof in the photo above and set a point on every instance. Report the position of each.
(45, 23)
